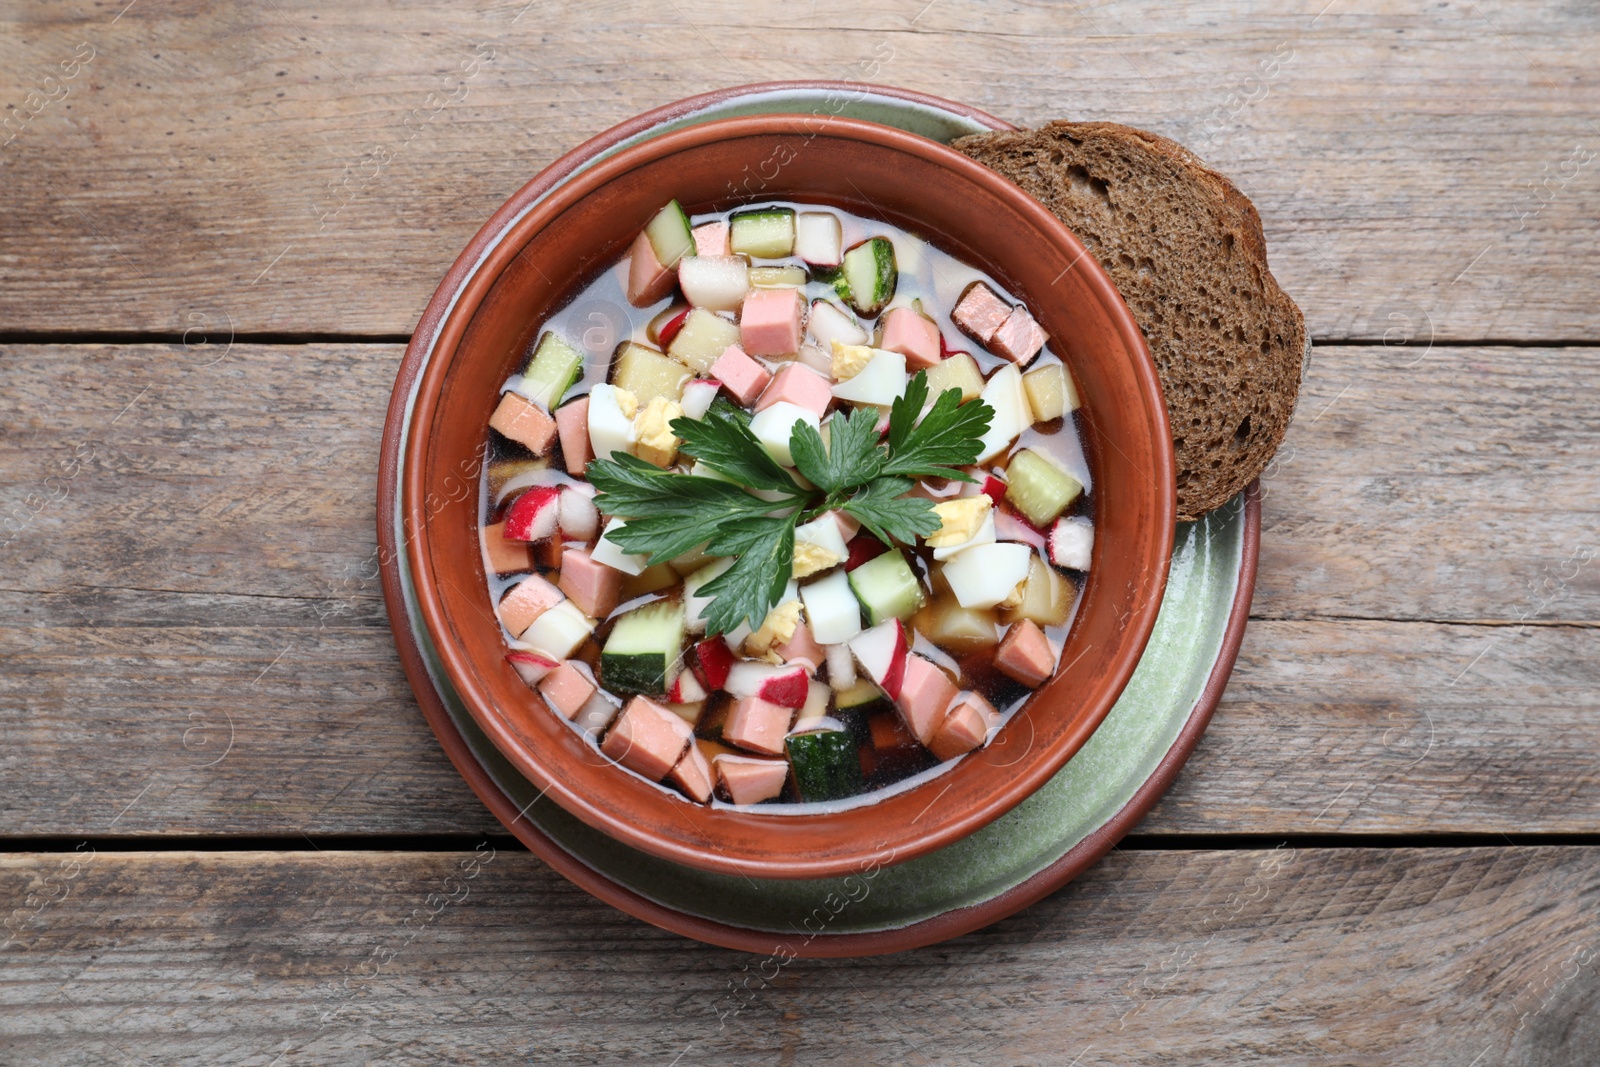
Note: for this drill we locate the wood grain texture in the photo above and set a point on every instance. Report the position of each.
(285, 167)
(1345, 957)
(207, 573)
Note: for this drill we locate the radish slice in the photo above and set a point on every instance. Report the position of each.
(530, 666)
(529, 479)
(830, 323)
(841, 667)
(665, 326)
(698, 395)
(533, 515)
(1072, 544)
(714, 660)
(784, 686)
(882, 652)
(716, 283)
(580, 519)
(1009, 526)
(685, 689)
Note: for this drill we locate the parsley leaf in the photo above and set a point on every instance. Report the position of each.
(852, 456)
(763, 551)
(667, 514)
(883, 509)
(947, 437)
(721, 439)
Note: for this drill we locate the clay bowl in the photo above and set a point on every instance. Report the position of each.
(539, 260)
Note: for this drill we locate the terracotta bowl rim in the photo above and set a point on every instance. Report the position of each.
(1041, 765)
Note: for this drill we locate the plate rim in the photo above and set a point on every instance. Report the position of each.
(959, 920)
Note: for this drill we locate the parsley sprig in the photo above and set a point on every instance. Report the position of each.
(856, 470)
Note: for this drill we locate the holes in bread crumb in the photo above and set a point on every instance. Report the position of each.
(1085, 184)
(1227, 243)
(1241, 435)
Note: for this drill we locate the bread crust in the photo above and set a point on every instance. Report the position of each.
(1186, 251)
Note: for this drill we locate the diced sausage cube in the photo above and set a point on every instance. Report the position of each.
(740, 375)
(965, 727)
(758, 725)
(769, 322)
(802, 648)
(647, 738)
(524, 422)
(692, 774)
(748, 780)
(912, 335)
(1019, 338)
(568, 688)
(648, 280)
(593, 586)
(1025, 654)
(506, 557)
(711, 239)
(925, 696)
(527, 600)
(798, 384)
(572, 421)
(980, 312)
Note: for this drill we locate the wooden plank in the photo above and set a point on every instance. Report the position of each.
(1425, 169)
(1360, 957)
(152, 467)
(207, 560)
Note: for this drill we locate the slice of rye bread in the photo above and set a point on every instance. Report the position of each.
(1186, 251)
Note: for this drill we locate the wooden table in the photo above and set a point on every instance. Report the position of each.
(220, 805)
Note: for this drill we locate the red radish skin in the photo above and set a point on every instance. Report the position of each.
(670, 328)
(716, 660)
(786, 687)
(533, 516)
(863, 547)
(882, 653)
(994, 489)
(686, 689)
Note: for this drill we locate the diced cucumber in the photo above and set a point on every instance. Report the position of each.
(1038, 488)
(866, 279)
(826, 764)
(887, 588)
(669, 235)
(642, 649)
(766, 234)
(702, 338)
(647, 374)
(550, 372)
(863, 696)
(777, 277)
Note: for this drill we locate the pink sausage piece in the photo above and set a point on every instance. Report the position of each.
(648, 280)
(758, 725)
(769, 322)
(1025, 654)
(524, 422)
(748, 780)
(740, 375)
(798, 384)
(594, 587)
(1019, 338)
(980, 312)
(567, 688)
(572, 420)
(527, 600)
(711, 239)
(693, 775)
(506, 557)
(647, 738)
(802, 648)
(965, 727)
(912, 335)
(925, 696)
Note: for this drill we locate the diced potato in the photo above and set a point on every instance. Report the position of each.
(954, 628)
(647, 374)
(958, 371)
(1050, 392)
(650, 580)
(1046, 597)
(702, 339)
